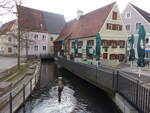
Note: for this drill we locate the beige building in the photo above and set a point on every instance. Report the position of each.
(108, 23)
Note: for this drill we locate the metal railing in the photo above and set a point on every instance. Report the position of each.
(12, 100)
(110, 79)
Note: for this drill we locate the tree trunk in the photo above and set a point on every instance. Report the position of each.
(26, 47)
(18, 38)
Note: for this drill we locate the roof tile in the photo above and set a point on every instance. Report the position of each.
(87, 25)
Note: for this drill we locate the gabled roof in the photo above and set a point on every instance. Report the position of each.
(7, 26)
(87, 25)
(36, 20)
(145, 14)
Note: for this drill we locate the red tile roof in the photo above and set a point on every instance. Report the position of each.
(36, 20)
(7, 27)
(87, 25)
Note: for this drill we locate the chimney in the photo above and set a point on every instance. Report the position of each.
(79, 14)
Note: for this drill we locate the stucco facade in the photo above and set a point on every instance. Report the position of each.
(108, 35)
(131, 17)
(39, 44)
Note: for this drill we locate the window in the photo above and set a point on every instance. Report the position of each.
(9, 39)
(80, 55)
(128, 27)
(113, 56)
(121, 43)
(105, 56)
(120, 27)
(9, 50)
(36, 37)
(114, 16)
(73, 44)
(114, 27)
(36, 48)
(44, 37)
(105, 43)
(138, 26)
(44, 48)
(80, 43)
(113, 43)
(147, 40)
(128, 15)
(90, 43)
(51, 38)
(121, 57)
(109, 26)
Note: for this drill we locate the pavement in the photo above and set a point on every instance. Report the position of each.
(7, 63)
(134, 72)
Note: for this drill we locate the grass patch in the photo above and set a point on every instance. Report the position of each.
(17, 74)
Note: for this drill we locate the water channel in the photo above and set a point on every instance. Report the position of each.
(78, 96)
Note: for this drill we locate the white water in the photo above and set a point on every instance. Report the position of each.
(67, 105)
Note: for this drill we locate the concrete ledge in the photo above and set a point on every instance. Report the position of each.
(123, 105)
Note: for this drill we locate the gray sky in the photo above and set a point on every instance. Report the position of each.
(69, 7)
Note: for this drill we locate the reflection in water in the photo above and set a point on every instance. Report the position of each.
(78, 96)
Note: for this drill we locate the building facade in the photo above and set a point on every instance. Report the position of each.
(108, 23)
(134, 17)
(39, 29)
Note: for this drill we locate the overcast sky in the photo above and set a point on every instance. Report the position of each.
(69, 7)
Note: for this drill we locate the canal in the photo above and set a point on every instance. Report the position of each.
(78, 96)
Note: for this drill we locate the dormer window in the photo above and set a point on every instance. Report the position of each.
(114, 16)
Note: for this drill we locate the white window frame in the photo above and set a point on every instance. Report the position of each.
(43, 47)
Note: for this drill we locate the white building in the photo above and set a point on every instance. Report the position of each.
(134, 17)
(38, 31)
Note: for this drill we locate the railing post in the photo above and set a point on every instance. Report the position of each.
(39, 80)
(35, 79)
(117, 82)
(137, 92)
(30, 85)
(113, 80)
(148, 101)
(24, 97)
(10, 102)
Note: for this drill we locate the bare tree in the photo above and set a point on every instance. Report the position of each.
(21, 35)
(6, 6)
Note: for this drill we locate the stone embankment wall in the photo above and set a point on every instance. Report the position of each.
(16, 97)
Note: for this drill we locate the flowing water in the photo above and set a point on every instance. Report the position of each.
(78, 96)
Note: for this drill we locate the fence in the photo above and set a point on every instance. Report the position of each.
(110, 79)
(11, 101)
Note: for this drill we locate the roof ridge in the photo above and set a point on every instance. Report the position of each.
(94, 11)
(40, 10)
(9, 22)
(143, 13)
(139, 8)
